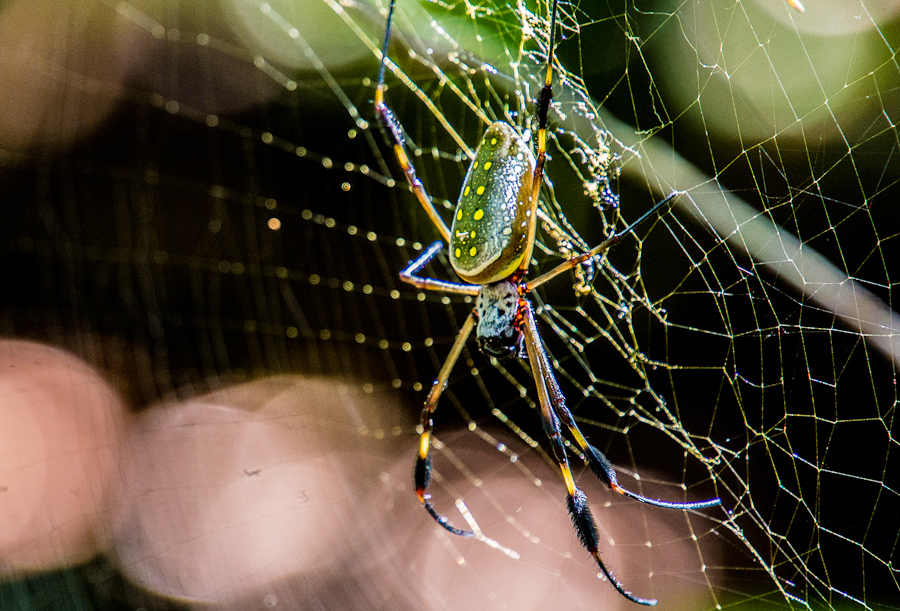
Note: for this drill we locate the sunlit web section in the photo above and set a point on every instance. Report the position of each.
(743, 344)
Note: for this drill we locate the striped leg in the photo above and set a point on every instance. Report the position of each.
(544, 99)
(598, 463)
(577, 503)
(423, 459)
(394, 132)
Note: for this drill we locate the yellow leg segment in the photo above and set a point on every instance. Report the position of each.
(423, 458)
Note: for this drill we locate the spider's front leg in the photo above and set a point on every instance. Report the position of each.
(598, 462)
(580, 512)
(423, 459)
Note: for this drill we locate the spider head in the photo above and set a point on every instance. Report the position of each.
(498, 331)
(500, 347)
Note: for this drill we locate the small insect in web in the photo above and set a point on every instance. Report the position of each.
(491, 240)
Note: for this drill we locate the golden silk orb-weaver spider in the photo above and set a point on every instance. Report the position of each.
(491, 240)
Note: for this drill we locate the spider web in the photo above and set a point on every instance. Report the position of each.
(199, 198)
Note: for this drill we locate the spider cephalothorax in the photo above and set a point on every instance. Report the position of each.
(499, 330)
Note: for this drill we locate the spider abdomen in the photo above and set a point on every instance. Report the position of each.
(489, 235)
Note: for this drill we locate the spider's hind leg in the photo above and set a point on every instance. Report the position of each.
(394, 132)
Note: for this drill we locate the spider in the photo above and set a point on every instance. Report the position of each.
(491, 240)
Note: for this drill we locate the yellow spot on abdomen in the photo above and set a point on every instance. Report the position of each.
(487, 165)
(472, 251)
(458, 253)
(479, 214)
(493, 141)
(480, 190)
(466, 191)
(459, 213)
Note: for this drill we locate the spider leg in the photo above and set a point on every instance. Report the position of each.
(597, 461)
(394, 132)
(408, 275)
(603, 469)
(602, 247)
(423, 459)
(544, 98)
(582, 519)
